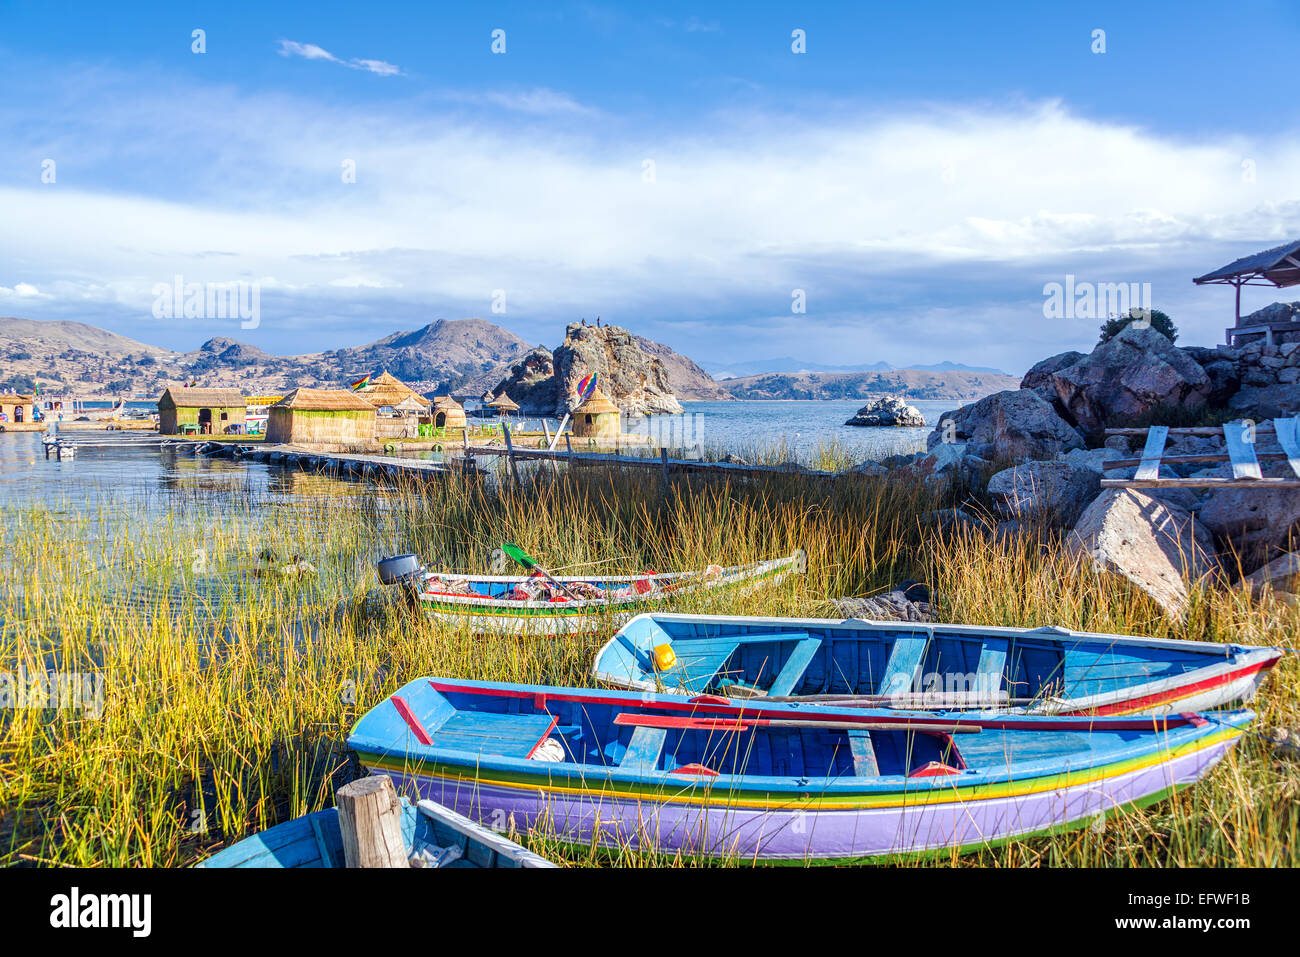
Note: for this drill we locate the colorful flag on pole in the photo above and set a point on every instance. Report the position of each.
(193, 383)
(587, 386)
(361, 383)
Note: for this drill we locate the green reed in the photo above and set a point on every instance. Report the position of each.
(229, 689)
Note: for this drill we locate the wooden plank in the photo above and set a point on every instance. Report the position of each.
(1155, 447)
(644, 749)
(1240, 452)
(322, 843)
(992, 663)
(836, 723)
(1288, 436)
(795, 666)
(1189, 459)
(864, 754)
(1205, 431)
(370, 818)
(904, 661)
(510, 453)
(1269, 483)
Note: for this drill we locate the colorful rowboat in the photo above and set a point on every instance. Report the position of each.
(756, 781)
(314, 840)
(909, 665)
(490, 603)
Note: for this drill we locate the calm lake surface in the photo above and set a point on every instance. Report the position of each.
(112, 462)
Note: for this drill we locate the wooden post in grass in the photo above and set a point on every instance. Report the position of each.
(370, 817)
(663, 460)
(510, 453)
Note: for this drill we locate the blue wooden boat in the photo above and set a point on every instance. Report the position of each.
(910, 665)
(754, 781)
(314, 840)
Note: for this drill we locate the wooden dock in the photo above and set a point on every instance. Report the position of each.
(463, 458)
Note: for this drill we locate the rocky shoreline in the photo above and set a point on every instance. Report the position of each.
(1038, 453)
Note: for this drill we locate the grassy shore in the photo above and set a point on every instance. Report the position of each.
(227, 695)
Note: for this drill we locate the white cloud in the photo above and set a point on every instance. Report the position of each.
(22, 290)
(311, 51)
(956, 214)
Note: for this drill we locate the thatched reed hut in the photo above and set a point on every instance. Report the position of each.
(321, 417)
(597, 418)
(448, 413)
(15, 410)
(388, 391)
(504, 404)
(202, 411)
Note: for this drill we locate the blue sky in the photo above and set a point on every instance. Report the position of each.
(920, 176)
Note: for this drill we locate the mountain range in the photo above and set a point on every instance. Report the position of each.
(785, 364)
(463, 356)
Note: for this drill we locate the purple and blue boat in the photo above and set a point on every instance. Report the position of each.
(759, 781)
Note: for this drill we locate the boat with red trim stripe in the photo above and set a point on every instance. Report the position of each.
(852, 662)
(760, 781)
(541, 605)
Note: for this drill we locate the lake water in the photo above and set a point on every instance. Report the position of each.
(149, 475)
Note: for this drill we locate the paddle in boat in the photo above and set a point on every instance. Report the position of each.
(437, 834)
(904, 664)
(760, 781)
(542, 604)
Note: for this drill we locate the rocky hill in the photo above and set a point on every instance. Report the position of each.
(632, 372)
(73, 356)
(906, 383)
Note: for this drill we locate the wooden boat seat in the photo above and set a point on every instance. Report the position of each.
(864, 753)
(644, 749)
(511, 735)
(904, 660)
(794, 667)
(696, 670)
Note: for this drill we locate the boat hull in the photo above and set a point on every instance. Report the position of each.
(897, 664)
(957, 823)
(544, 618)
(781, 782)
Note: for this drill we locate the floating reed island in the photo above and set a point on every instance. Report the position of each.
(210, 656)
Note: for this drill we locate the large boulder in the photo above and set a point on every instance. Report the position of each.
(1267, 401)
(1040, 373)
(1057, 492)
(888, 411)
(1257, 524)
(1158, 547)
(1014, 424)
(1132, 375)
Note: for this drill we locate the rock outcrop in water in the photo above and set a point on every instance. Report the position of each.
(888, 411)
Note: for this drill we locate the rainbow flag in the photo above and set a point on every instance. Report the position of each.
(361, 383)
(587, 386)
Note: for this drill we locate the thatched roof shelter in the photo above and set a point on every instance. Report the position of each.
(388, 390)
(503, 403)
(597, 417)
(207, 411)
(321, 416)
(448, 413)
(178, 397)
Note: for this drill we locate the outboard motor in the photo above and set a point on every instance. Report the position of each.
(398, 569)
